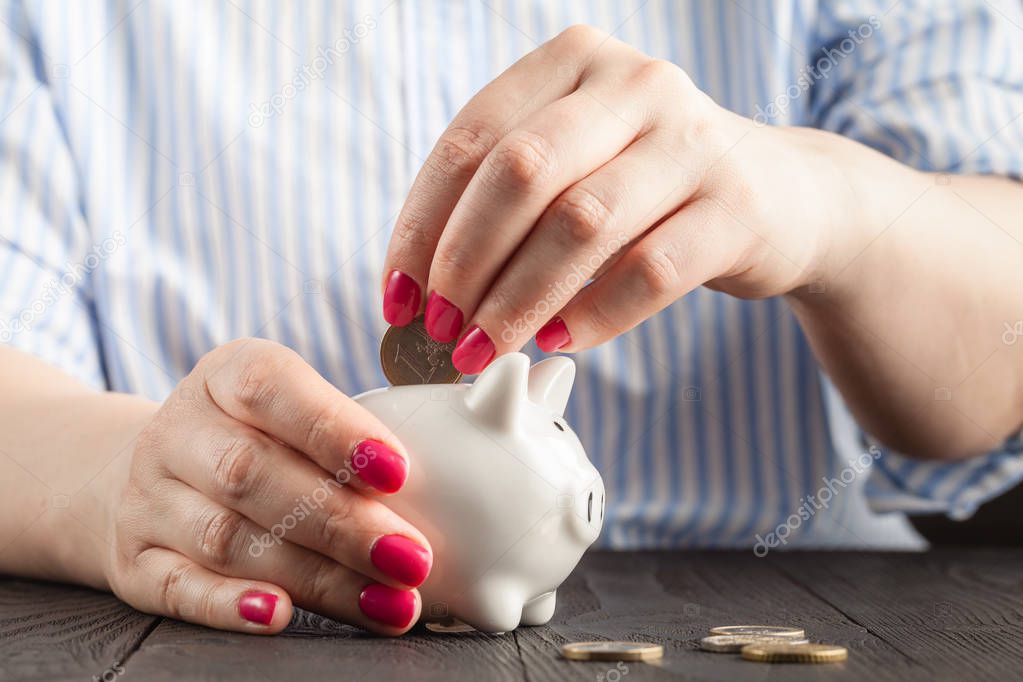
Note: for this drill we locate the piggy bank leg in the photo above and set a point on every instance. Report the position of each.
(539, 611)
(497, 607)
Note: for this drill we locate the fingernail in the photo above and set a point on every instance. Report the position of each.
(401, 558)
(473, 352)
(553, 335)
(401, 299)
(387, 605)
(443, 318)
(257, 607)
(379, 466)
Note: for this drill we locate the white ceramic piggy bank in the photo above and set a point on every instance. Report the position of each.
(500, 486)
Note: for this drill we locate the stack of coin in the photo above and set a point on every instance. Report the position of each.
(408, 355)
(771, 644)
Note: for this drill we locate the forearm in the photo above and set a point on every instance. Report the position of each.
(916, 295)
(66, 449)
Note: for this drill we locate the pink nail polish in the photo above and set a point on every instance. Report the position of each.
(379, 466)
(474, 352)
(257, 607)
(401, 558)
(401, 299)
(443, 318)
(387, 605)
(553, 335)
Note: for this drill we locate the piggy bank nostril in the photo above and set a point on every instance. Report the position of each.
(602, 506)
(589, 508)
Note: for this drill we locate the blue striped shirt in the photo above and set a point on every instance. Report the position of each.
(177, 174)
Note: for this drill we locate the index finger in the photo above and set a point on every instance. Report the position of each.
(270, 387)
(539, 78)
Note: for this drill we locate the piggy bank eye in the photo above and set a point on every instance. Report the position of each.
(558, 424)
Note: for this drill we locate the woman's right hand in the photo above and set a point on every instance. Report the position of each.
(253, 488)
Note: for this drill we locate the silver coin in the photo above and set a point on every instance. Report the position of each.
(762, 630)
(733, 644)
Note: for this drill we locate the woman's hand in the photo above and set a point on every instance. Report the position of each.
(588, 158)
(253, 488)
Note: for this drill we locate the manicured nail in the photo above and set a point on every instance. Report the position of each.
(257, 607)
(401, 559)
(443, 318)
(387, 605)
(379, 466)
(553, 335)
(474, 352)
(401, 299)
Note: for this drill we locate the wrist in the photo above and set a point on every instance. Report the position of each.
(76, 533)
(862, 193)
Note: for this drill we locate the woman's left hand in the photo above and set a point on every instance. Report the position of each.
(588, 159)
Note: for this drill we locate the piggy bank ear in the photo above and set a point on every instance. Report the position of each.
(499, 393)
(550, 383)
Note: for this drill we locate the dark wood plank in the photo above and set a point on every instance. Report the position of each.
(319, 648)
(955, 612)
(57, 632)
(674, 598)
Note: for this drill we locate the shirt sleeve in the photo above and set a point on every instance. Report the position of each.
(46, 252)
(938, 86)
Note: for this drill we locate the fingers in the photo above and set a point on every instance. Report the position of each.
(589, 224)
(231, 545)
(167, 583)
(682, 253)
(243, 470)
(541, 77)
(271, 388)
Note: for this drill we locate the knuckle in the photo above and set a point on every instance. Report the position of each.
(234, 467)
(319, 429)
(523, 161)
(581, 36)
(601, 321)
(218, 534)
(255, 385)
(461, 150)
(332, 525)
(658, 272)
(659, 73)
(453, 265)
(173, 587)
(321, 583)
(411, 229)
(581, 215)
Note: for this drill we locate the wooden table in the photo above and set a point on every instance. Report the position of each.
(949, 614)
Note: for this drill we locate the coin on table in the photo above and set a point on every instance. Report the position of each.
(409, 356)
(449, 626)
(733, 644)
(786, 652)
(612, 651)
(762, 630)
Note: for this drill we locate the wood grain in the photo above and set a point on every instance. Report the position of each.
(60, 632)
(949, 614)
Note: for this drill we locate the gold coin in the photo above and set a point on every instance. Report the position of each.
(761, 630)
(409, 356)
(733, 644)
(449, 626)
(794, 653)
(612, 651)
